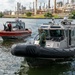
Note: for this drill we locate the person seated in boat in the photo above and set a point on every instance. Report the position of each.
(5, 27)
(42, 38)
(9, 27)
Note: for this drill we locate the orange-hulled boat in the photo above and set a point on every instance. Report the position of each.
(15, 30)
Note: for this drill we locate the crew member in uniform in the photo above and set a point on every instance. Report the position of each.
(42, 38)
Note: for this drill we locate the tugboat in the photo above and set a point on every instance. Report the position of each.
(15, 30)
(60, 44)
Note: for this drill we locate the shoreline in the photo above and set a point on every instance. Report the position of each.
(31, 18)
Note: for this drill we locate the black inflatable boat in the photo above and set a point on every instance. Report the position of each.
(36, 55)
(41, 52)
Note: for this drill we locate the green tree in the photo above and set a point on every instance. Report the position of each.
(48, 15)
(1, 14)
(72, 15)
(28, 14)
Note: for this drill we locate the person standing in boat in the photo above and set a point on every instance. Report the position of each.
(9, 27)
(42, 38)
(5, 27)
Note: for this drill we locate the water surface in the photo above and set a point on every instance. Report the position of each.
(11, 65)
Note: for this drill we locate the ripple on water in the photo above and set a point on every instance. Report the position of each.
(9, 64)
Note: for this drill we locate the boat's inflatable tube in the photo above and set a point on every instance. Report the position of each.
(37, 51)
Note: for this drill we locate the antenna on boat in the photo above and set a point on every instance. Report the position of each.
(53, 21)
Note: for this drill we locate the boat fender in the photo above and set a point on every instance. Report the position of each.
(24, 50)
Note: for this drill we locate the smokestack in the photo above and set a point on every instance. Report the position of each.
(67, 1)
(35, 7)
(44, 6)
(63, 2)
(54, 6)
(40, 6)
(49, 4)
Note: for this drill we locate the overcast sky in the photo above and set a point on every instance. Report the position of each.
(11, 4)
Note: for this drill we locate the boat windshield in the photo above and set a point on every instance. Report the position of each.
(57, 35)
